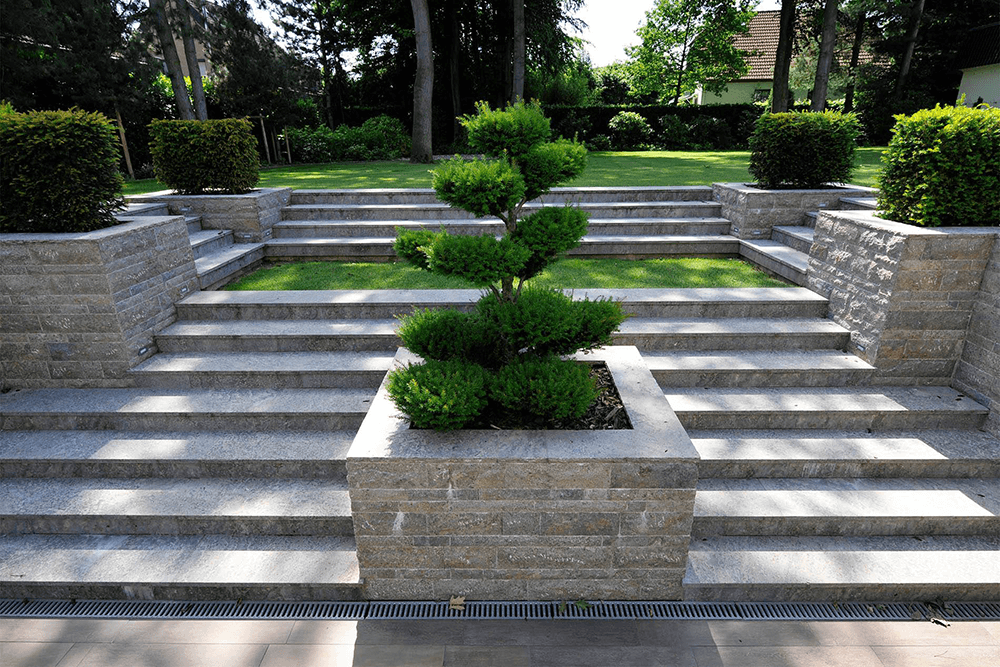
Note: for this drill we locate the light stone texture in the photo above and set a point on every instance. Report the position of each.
(753, 211)
(80, 310)
(250, 216)
(906, 293)
(526, 514)
(978, 371)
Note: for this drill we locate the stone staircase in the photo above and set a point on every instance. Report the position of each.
(786, 253)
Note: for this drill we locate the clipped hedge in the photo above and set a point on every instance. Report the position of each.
(378, 138)
(205, 156)
(58, 172)
(803, 150)
(942, 168)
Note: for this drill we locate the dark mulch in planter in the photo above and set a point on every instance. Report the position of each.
(605, 413)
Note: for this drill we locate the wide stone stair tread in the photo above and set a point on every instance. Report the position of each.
(900, 506)
(185, 409)
(265, 369)
(728, 333)
(555, 195)
(211, 567)
(752, 365)
(800, 232)
(161, 506)
(854, 203)
(805, 407)
(826, 453)
(129, 454)
(779, 252)
(230, 254)
(831, 568)
(279, 335)
(205, 236)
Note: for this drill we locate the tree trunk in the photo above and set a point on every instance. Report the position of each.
(454, 73)
(171, 59)
(911, 41)
(683, 60)
(783, 58)
(859, 36)
(191, 56)
(826, 48)
(505, 27)
(517, 56)
(423, 85)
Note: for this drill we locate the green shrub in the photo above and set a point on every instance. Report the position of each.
(378, 138)
(443, 334)
(707, 133)
(442, 395)
(58, 172)
(413, 244)
(942, 167)
(385, 137)
(599, 142)
(482, 260)
(481, 187)
(550, 389)
(507, 133)
(674, 135)
(548, 232)
(548, 163)
(629, 131)
(803, 150)
(198, 156)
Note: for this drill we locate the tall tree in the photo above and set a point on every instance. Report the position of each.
(686, 43)
(423, 85)
(517, 51)
(165, 36)
(827, 46)
(187, 30)
(911, 41)
(783, 57)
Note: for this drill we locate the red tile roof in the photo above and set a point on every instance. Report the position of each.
(762, 43)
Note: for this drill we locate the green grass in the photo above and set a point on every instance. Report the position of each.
(566, 274)
(611, 169)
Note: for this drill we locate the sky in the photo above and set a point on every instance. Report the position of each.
(612, 25)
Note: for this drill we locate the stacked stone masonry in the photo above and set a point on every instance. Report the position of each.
(250, 216)
(906, 293)
(978, 371)
(80, 310)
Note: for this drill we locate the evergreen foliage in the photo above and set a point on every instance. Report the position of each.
(195, 156)
(803, 150)
(516, 333)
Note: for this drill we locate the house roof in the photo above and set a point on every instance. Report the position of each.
(982, 47)
(762, 43)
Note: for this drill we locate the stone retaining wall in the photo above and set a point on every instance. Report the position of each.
(906, 293)
(80, 310)
(753, 212)
(251, 216)
(526, 515)
(978, 372)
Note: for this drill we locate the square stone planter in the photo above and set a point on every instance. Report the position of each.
(526, 515)
(753, 211)
(250, 216)
(80, 310)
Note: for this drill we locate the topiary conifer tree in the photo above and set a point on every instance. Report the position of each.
(508, 353)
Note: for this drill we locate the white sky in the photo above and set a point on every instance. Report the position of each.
(612, 25)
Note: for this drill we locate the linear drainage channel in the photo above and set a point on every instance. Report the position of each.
(360, 611)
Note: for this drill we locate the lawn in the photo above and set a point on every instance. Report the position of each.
(566, 274)
(609, 168)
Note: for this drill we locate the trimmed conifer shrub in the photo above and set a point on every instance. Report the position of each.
(205, 156)
(803, 150)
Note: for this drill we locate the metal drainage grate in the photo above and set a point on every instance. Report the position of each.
(357, 611)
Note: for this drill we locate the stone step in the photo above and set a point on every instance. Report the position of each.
(809, 219)
(134, 208)
(713, 334)
(777, 259)
(264, 370)
(159, 506)
(797, 237)
(752, 368)
(855, 408)
(442, 211)
(289, 229)
(824, 569)
(616, 247)
(556, 195)
(193, 223)
(260, 336)
(184, 410)
(128, 454)
(745, 454)
(832, 506)
(858, 203)
(226, 265)
(784, 302)
(210, 567)
(205, 243)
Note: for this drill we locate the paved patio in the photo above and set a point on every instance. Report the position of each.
(425, 643)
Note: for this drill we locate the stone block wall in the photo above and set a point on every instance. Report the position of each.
(752, 212)
(80, 310)
(978, 372)
(906, 293)
(526, 515)
(251, 216)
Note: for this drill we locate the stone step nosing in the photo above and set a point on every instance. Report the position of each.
(842, 526)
